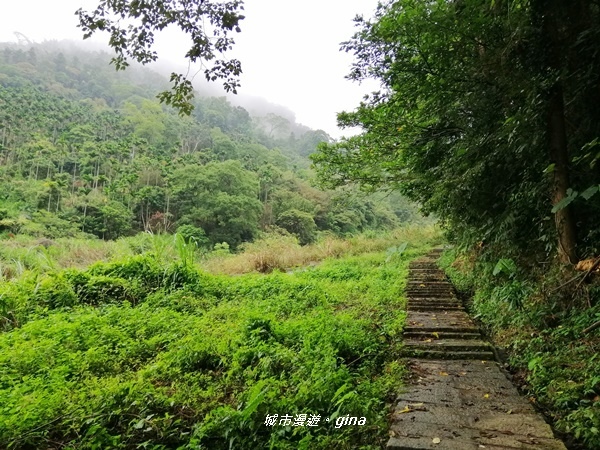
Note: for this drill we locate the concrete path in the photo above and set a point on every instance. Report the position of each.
(458, 398)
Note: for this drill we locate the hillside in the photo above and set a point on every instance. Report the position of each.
(86, 150)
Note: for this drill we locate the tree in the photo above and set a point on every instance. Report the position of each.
(484, 111)
(299, 223)
(209, 23)
(221, 198)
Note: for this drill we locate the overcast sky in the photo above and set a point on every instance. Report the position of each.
(289, 49)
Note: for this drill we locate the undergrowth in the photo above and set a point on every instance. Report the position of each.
(539, 320)
(139, 353)
(282, 253)
(21, 255)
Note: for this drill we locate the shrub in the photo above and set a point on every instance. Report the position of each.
(299, 223)
(102, 289)
(192, 234)
(55, 291)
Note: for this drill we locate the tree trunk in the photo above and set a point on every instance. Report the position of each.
(552, 42)
(557, 135)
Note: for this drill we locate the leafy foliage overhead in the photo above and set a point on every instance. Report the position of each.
(209, 24)
(487, 116)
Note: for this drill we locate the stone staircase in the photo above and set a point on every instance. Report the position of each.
(437, 326)
(458, 398)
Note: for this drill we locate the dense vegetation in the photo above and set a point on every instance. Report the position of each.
(86, 149)
(113, 208)
(147, 352)
(488, 116)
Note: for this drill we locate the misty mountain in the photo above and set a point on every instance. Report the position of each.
(86, 149)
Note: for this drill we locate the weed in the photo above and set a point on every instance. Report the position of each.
(194, 360)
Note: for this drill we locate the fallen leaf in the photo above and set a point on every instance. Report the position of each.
(509, 411)
(486, 396)
(436, 440)
(436, 334)
(428, 340)
(444, 374)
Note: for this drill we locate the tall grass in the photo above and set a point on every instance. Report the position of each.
(26, 253)
(137, 353)
(283, 252)
(272, 252)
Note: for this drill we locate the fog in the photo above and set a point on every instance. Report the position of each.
(289, 51)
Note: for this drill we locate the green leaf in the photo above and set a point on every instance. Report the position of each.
(571, 195)
(549, 169)
(589, 192)
(402, 247)
(505, 265)
(256, 396)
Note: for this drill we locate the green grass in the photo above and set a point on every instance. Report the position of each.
(140, 353)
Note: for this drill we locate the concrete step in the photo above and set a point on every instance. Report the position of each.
(428, 286)
(425, 278)
(434, 302)
(432, 308)
(448, 345)
(445, 284)
(433, 275)
(431, 294)
(424, 263)
(425, 290)
(442, 354)
(420, 335)
(437, 300)
(441, 329)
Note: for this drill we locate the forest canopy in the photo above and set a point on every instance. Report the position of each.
(488, 116)
(86, 149)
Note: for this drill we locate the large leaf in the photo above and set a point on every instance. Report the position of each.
(571, 195)
(589, 192)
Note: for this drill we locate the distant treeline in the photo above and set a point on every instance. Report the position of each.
(84, 148)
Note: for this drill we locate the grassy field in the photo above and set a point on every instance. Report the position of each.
(22, 254)
(149, 352)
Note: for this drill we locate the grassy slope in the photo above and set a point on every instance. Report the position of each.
(194, 360)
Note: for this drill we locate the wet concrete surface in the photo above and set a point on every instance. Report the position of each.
(458, 398)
